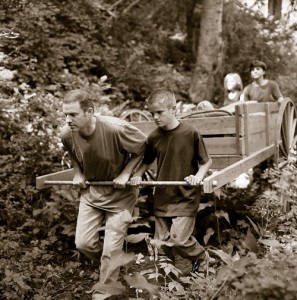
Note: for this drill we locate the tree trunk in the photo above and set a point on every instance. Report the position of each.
(193, 25)
(210, 51)
(275, 8)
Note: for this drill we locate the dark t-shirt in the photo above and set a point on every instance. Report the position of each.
(102, 156)
(178, 153)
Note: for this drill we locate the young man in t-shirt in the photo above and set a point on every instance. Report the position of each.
(181, 155)
(101, 148)
(261, 89)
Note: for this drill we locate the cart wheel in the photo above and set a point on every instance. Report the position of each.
(135, 115)
(207, 113)
(286, 135)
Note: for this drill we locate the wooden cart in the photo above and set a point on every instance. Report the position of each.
(237, 140)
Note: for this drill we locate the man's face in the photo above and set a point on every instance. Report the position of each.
(162, 115)
(76, 118)
(257, 72)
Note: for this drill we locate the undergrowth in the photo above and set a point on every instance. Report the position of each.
(251, 249)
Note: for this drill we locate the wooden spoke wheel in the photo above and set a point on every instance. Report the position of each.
(286, 135)
(135, 115)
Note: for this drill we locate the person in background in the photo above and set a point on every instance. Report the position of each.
(261, 89)
(101, 148)
(233, 88)
(181, 156)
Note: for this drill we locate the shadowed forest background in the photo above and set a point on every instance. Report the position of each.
(122, 50)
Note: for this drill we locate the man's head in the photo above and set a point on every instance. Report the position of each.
(84, 98)
(164, 97)
(258, 68)
(162, 105)
(259, 64)
(78, 108)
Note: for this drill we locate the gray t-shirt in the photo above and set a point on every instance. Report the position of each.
(268, 92)
(102, 156)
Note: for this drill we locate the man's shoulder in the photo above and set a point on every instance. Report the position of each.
(188, 127)
(120, 125)
(110, 120)
(111, 123)
(272, 83)
(155, 133)
(248, 87)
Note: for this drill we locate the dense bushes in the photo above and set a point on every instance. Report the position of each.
(139, 48)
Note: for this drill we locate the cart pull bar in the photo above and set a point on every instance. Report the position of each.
(142, 183)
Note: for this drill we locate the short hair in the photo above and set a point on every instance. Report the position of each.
(259, 64)
(83, 97)
(236, 77)
(164, 97)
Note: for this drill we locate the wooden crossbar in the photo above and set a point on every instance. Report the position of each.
(106, 183)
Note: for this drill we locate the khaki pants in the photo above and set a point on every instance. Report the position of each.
(178, 230)
(89, 220)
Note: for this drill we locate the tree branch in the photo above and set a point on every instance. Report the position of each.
(130, 6)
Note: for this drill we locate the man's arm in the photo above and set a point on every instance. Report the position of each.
(276, 93)
(79, 178)
(122, 179)
(198, 177)
(137, 177)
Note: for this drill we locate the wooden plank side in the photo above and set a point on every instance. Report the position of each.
(206, 126)
(246, 128)
(258, 107)
(220, 178)
(221, 162)
(256, 123)
(272, 128)
(62, 175)
(267, 123)
(261, 131)
(257, 141)
(221, 145)
(213, 126)
(238, 122)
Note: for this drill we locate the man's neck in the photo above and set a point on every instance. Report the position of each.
(172, 125)
(89, 128)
